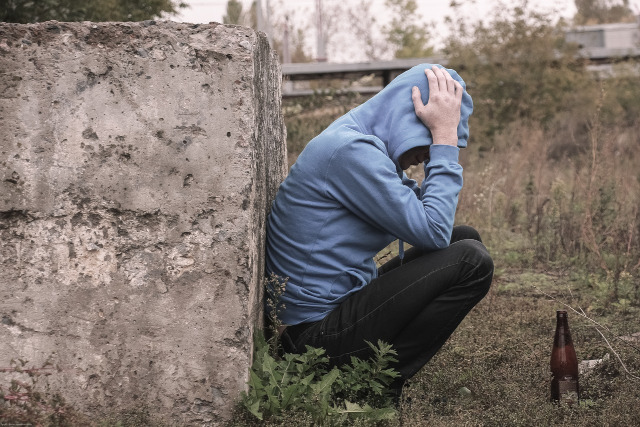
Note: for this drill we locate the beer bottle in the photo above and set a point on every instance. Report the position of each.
(564, 364)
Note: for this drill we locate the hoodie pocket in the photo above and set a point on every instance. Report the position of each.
(345, 284)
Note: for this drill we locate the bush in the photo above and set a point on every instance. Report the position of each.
(295, 383)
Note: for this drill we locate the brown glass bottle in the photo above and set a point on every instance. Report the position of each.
(564, 364)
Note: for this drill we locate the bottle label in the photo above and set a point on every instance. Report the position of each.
(568, 391)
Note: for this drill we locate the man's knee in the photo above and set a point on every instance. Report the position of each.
(463, 232)
(476, 254)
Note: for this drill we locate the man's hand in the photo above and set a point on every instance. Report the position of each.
(442, 113)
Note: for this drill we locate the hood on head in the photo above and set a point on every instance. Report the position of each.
(390, 115)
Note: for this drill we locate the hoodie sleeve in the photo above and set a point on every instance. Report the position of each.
(411, 183)
(362, 178)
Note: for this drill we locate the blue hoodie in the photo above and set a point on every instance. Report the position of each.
(346, 198)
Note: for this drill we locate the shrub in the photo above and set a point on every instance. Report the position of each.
(304, 383)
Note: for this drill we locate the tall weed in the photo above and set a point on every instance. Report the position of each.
(295, 383)
(282, 384)
(578, 210)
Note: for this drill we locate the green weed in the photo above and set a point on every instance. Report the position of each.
(303, 383)
(284, 383)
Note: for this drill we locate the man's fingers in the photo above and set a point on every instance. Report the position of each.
(459, 90)
(432, 79)
(442, 79)
(416, 97)
(451, 87)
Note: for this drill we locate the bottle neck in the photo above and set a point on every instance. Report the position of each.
(563, 336)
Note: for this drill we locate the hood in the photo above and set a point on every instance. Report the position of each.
(390, 115)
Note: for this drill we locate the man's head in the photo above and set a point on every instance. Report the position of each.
(390, 115)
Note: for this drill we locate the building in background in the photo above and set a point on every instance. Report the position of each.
(603, 41)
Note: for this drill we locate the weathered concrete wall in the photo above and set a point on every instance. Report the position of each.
(137, 163)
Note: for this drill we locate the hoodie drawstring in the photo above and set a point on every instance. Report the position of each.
(401, 250)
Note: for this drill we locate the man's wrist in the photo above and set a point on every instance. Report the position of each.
(448, 138)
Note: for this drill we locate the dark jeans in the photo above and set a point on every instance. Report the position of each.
(415, 306)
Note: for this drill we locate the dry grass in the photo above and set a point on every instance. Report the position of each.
(501, 353)
(494, 370)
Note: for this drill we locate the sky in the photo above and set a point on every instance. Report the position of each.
(435, 11)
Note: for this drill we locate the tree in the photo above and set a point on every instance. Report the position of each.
(292, 22)
(405, 32)
(590, 12)
(234, 13)
(362, 26)
(297, 44)
(299, 52)
(332, 18)
(30, 11)
(519, 69)
(253, 15)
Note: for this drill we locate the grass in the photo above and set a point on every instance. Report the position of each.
(500, 354)
(494, 370)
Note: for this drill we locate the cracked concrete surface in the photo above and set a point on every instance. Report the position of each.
(137, 164)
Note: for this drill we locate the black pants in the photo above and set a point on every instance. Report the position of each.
(415, 306)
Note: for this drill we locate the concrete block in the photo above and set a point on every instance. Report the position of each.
(137, 164)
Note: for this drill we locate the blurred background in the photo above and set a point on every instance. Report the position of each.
(328, 30)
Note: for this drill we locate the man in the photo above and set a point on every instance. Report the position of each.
(347, 197)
